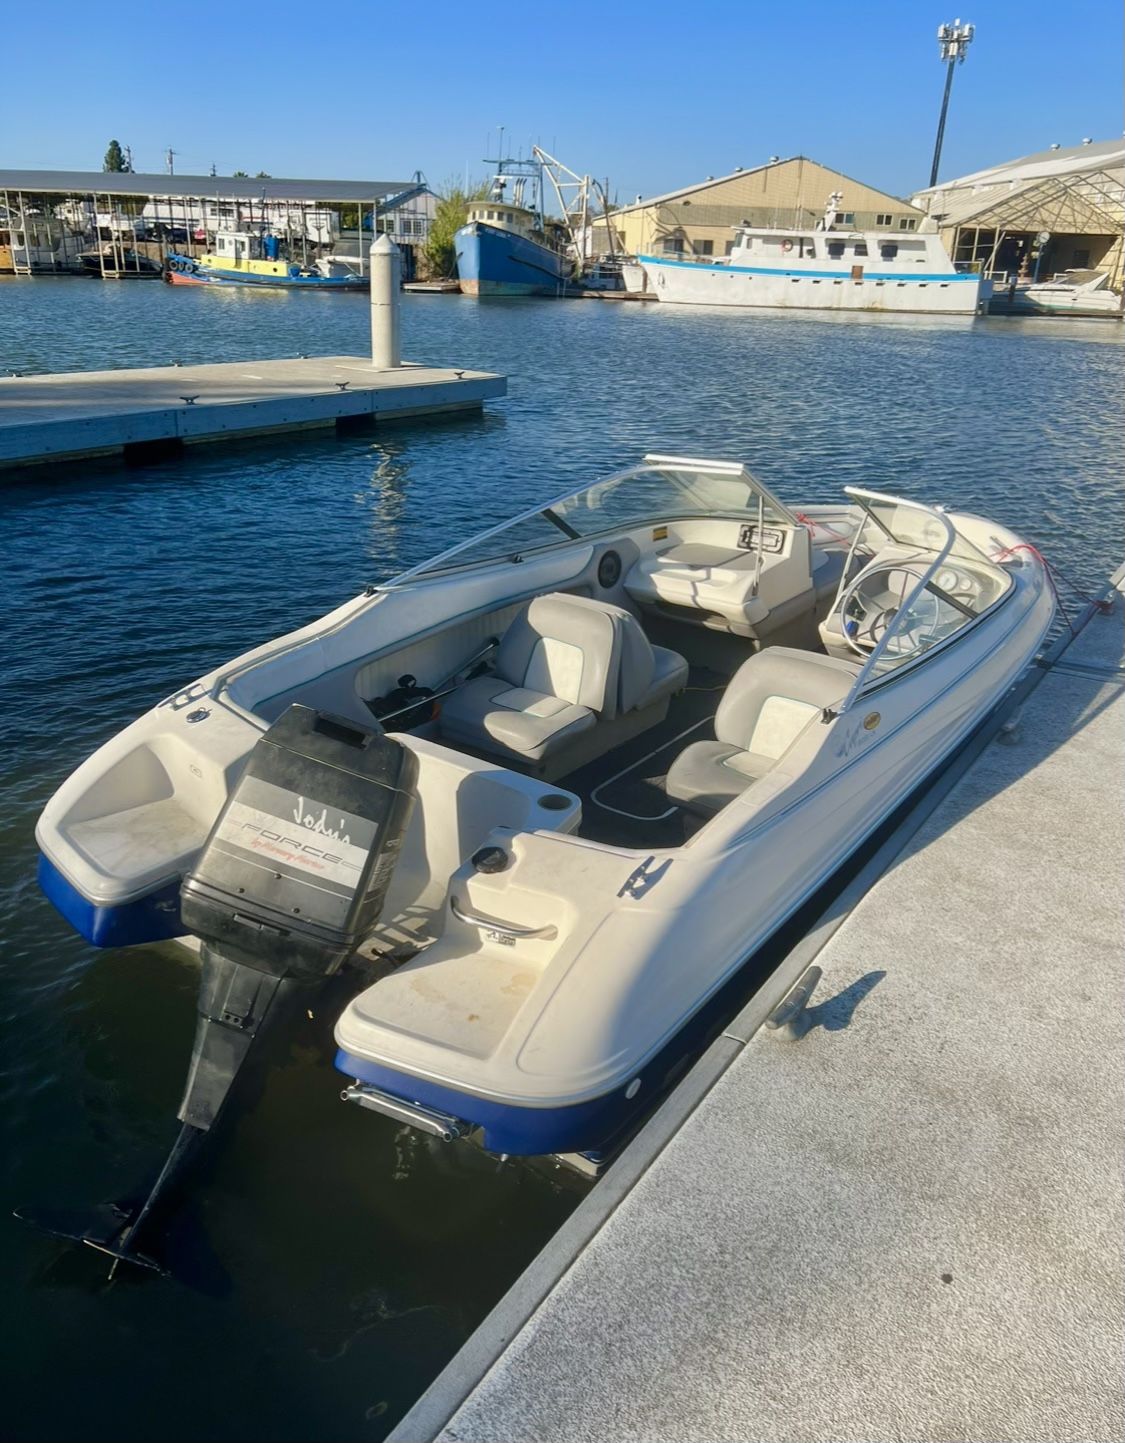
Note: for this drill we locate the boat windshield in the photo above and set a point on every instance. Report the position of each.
(928, 583)
(661, 489)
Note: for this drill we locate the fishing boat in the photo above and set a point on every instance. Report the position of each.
(241, 258)
(508, 246)
(825, 267)
(555, 787)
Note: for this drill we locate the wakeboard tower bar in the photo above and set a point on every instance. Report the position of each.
(291, 878)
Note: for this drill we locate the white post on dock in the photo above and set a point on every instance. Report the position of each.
(386, 277)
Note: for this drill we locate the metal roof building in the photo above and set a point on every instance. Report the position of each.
(52, 220)
(119, 185)
(1059, 209)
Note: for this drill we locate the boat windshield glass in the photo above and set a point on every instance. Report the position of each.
(660, 490)
(909, 523)
(912, 583)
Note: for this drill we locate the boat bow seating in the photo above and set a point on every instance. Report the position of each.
(567, 668)
(770, 701)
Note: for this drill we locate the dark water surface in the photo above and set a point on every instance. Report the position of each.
(357, 1256)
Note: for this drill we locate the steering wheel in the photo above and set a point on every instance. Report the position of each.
(857, 613)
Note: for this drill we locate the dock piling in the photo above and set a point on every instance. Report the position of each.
(386, 280)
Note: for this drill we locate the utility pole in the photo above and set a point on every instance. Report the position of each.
(954, 41)
(169, 156)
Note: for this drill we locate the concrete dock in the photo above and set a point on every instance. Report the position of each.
(148, 412)
(907, 1225)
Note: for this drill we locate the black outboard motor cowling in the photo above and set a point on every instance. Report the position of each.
(294, 873)
(291, 879)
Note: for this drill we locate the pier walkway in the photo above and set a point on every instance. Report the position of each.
(908, 1224)
(149, 411)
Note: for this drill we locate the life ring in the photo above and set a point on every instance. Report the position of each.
(786, 245)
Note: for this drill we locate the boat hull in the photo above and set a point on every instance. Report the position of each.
(154, 917)
(494, 262)
(182, 271)
(689, 283)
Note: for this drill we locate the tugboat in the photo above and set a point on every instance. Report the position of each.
(243, 259)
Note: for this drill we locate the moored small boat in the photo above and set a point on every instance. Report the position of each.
(1070, 293)
(627, 735)
(242, 259)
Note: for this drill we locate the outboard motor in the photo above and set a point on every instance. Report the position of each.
(291, 879)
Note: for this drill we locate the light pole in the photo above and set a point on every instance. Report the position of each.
(954, 41)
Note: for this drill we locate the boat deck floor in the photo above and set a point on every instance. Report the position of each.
(624, 803)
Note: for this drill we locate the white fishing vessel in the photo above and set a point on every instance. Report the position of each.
(824, 267)
(636, 727)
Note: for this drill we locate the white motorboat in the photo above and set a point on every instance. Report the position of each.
(824, 267)
(1070, 293)
(641, 724)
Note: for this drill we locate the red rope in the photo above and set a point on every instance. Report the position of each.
(1053, 577)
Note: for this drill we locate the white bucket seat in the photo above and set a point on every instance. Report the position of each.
(565, 665)
(770, 701)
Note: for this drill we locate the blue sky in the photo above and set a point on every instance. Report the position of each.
(653, 95)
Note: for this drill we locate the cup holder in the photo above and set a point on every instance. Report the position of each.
(554, 802)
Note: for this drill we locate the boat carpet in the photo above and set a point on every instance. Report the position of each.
(624, 803)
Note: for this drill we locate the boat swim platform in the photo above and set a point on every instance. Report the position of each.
(148, 412)
(907, 1224)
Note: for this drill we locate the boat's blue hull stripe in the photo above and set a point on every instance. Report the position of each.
(724, 269)
(508, 1128)
(154, 918)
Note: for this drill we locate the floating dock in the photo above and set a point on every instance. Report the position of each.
(145, 413)
(906, 1225)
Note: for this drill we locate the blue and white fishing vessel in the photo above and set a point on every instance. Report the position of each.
(825, 267)
(508, 246)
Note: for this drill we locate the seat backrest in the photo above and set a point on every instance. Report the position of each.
(564, 647)
(774, 696)
(586, 652)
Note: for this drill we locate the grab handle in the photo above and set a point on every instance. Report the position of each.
(497, 928)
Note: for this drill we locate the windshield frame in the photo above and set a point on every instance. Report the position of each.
(870, 677)
(445, 561)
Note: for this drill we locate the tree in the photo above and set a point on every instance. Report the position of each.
(240, 174)
(263, 175)
(115, 162)
(439, 257)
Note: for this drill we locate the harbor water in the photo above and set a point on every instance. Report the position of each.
(334, 1262)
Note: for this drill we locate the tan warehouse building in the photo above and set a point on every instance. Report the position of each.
(700, 220)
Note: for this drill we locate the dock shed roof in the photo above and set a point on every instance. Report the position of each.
(1079, 191)
(220, 187)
